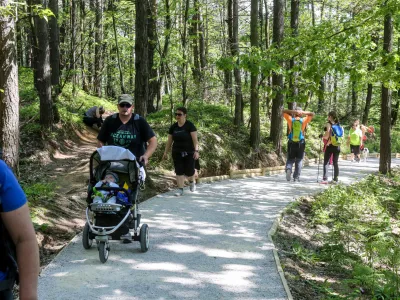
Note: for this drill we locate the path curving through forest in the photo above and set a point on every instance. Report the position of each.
(211, 244)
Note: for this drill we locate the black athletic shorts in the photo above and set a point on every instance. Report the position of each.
(184, 163)
(355, 149)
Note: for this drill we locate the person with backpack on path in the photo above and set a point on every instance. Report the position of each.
(334, 136)
(296, 140)
(128, 130)
(182, 135)
(19, 252)
(355, 140)
(93, 116)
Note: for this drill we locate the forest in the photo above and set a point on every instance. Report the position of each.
(252, 58)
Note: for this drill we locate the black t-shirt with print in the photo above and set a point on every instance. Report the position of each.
(133, 135)
(183, 141)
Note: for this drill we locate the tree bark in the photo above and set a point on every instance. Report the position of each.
(72, 62)
(121, 74)
(152, 40)
(354, 99)
(54, 57)
(254, 102)
(294, 25)
(277, 79)
(236, 71)
(43, 70)
(385, 146)
(141, 59)
(9, 98)
(98, 48)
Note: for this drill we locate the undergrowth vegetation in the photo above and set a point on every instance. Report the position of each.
(358, 232)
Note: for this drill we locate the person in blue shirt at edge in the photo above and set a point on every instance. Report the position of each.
(296, 142)
(14, 215)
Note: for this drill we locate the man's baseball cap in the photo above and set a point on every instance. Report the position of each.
(125, 98)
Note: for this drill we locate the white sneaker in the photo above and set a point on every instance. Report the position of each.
(193, 186)
(179, 193)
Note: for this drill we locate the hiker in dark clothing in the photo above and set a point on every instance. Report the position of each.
(94, 116)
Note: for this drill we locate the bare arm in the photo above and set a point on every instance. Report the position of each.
(303, 113)
(19, 225)
(167, 146)
(195, 144)
(151, 147)
(327, 133)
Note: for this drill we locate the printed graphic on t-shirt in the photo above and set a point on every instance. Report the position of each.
(123, 138)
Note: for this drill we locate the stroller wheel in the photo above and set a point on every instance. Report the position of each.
(86, 241)
(103, 252)
(144, 238)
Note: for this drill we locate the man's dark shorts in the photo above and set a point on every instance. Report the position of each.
(296, 149)
(184, 164)
(355, 149)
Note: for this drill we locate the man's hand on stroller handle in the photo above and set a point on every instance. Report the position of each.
(143, 160)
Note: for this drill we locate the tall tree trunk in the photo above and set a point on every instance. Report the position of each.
(277, 79)
(184, 54)
(121, 73)
(91, 37)
(228, 45)
(72, 63)
(43, 70)
(54, 57)
(152, 40)
(163, 72)
(321, 95)
(368, 100)
(354, 99)
(254, 102)
(98, 48)
(236, 71)
(385, 146)
(9, 98)
(371, 67)
(335, 92)
(193, 29)
(141, 59)
(82, 28)
(294, 25)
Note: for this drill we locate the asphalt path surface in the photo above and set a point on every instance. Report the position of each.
(210, 244)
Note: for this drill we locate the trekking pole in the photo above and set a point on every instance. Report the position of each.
(319, 157)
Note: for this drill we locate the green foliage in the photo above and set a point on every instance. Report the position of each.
(363, 223)
(39, 191)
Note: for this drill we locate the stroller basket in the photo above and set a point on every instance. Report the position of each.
(105, 207)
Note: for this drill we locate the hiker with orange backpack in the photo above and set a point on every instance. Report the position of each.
(297, 120)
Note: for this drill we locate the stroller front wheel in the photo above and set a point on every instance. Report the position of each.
(86, 241)
(103, 251)
(144, 238)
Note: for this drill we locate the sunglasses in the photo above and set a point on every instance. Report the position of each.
(178, 114)
(127, 105)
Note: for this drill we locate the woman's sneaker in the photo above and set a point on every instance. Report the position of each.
(179, 193)
(324, 181)
(192, 186)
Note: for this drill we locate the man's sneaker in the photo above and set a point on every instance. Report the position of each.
(296, 179)
(192, 186)
(288, 174)
(179, 193)
(126, 238)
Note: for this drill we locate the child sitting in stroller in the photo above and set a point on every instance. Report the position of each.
(110, 180)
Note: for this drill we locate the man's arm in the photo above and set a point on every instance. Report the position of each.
(19, 225)
(151, 147)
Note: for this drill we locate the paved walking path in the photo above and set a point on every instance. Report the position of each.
(211, 244)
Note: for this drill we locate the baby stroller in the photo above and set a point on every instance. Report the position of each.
(110, 221)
